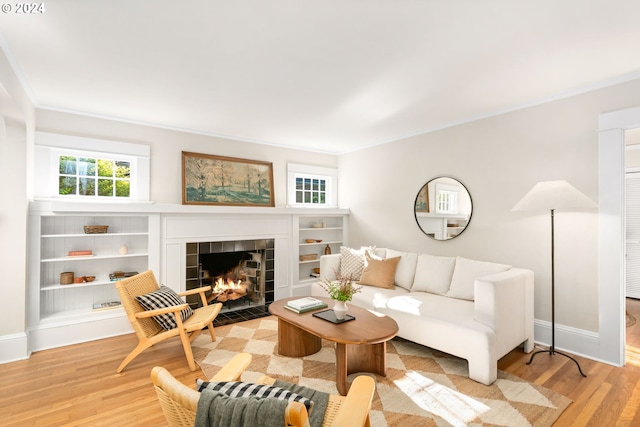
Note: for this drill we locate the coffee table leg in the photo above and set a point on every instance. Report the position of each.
(296, 342)
(351, 358)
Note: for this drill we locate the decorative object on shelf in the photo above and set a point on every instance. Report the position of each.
(327, 250)
(110, 305)
(78, 279)
(310, 241)
(95, 229)
(123, 250)
(308, 257)
(340, 290)
(317, 225)
(226, 181)
(88, 278)
(66, 278)
(119, 275)
(549, 196)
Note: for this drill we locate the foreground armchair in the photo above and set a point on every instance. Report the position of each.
(165, 315)
(180, 403)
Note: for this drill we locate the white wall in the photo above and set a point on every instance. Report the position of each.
(167, 145)
(498, 159)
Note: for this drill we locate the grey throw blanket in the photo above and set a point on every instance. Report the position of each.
(319, 398)
(217, 409)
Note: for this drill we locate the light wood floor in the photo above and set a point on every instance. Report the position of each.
(78, 386)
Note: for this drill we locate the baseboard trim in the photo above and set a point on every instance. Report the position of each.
(571, 340)
(14, 347)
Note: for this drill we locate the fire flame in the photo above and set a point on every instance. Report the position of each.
(222, 285)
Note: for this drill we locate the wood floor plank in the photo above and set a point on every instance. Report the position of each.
(78, 385)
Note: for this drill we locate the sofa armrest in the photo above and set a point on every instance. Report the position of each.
(504, 302)
(329, 266)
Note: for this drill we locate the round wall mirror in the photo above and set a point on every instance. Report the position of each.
(443, 208)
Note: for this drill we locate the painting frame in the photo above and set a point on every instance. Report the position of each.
(213, 180)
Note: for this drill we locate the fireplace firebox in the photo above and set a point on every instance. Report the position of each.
(240, 272)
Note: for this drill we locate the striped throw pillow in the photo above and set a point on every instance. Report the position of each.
(261, 391)
(161, 298)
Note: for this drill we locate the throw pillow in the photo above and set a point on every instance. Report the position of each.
(379, 272)
(406, 267)
(161, 298)
(433, 274)
(465, 274)
(261, 391)
(352, 261)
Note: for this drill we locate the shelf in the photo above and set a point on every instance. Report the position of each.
(80, 315)
(334, 242)
(320, 228)
(59, 236)
(92, 257)
(310, 261)
(58, 286)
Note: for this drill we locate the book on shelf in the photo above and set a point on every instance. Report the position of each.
(306, 309)
(305, 302)
(80, 253)
(109, 305)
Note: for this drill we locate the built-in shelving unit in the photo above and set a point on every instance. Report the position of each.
(325, 230)
(62, 313)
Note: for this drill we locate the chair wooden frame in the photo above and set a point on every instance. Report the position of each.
(149, 332)
(180, 403)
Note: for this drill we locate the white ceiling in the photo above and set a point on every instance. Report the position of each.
(326, 75)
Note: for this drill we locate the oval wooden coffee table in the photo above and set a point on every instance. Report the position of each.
(361, 344)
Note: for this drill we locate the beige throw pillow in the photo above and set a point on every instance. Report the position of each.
(379, 272)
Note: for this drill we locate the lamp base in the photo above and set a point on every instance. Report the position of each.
(553, 351)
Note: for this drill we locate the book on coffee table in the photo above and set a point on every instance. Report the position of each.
(306, 302)
(306, 308)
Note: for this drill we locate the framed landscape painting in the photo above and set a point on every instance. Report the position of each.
(226, 181)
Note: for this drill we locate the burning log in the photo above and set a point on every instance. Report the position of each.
(228, 290)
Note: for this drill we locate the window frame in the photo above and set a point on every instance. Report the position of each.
(329, 175)
(49, 147)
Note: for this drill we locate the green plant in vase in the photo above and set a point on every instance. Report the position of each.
(340, 290)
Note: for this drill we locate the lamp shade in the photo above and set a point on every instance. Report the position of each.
(549, 195)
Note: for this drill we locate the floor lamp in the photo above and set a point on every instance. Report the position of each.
(549, 196)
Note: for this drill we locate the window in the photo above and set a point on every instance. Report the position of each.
(82, 176)
(311, 186)
(71, 168)
(446, 199)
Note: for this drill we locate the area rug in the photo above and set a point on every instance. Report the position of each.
(423, 387)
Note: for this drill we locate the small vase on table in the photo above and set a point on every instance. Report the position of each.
(340, 309)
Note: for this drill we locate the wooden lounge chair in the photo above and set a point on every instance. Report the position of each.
(180, 402)
(149, 332)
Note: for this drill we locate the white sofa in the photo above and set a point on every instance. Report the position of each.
(475, 310)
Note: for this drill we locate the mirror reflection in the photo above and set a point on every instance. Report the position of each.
(443, 208)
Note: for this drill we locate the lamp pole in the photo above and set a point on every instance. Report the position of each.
(552, 348)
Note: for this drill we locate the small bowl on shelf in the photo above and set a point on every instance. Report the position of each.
(310, 241)
(89, 278)
(318, 241)
(95, 229)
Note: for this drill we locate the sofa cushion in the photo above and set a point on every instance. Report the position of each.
(379, 272)
(433, 274)
(352, 261)
(466, 272)
(406, 267)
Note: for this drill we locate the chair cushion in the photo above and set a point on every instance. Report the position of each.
(379, 272)
(244, 389)
(161, 298)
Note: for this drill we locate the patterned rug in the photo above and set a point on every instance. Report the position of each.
(423, 387)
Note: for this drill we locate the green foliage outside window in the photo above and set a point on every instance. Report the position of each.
(94, 177)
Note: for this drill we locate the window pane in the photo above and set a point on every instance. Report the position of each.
(307, 184)
(67, 165)
(123, 170)
(86, 167)
(315, 185)
(105, 187)
(298, 196)
(323, 185)
(87, 186)
(298, 183)
(67, 185)
(323, 198)
(105, 167)
(122, 188)
(307, 197)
